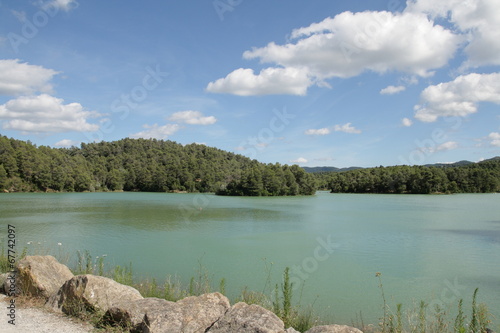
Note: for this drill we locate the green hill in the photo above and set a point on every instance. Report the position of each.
(144, 165)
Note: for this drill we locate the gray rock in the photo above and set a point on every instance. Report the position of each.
(291, 330)
(131, 314)
(333, 329)
(244, 318)
(89, 292)
(3, 279)
(40, 276)
(191, 315)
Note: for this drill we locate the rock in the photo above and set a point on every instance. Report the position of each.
(40, 276)
(244, 318)
(333, 329)
(291, 330)
(191, 314)
(131, 314)
(89, 292)
(3, 279)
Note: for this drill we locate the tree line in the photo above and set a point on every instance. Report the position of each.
(147, 165)
(482, 177)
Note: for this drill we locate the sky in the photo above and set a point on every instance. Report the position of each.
(315, 83)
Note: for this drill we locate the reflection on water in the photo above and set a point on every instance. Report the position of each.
(421, 244)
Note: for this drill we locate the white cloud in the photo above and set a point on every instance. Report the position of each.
(346, 128)
(321, 131)
(495, 139)
(65, 5)
(345, 46)
(458, 97)
(279, 81)
(22, 78)
(449, 145)
(44, 114)
(192, 118)
(157, 132)
(391, 90)
(66, 143)
(299, 160)
(478, 19)
(406, 122)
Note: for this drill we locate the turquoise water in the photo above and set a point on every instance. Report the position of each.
(431, 248)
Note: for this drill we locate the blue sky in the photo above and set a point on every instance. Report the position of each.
(362, 83)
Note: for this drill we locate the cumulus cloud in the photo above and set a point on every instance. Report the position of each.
(299, 160)
(458, 97)
(479, 19)
(495, 139)
(406, 122)
(277, 81)
(22, 78)
(157, 132)
(346, 128)
(345, 46)
(321, 131)
(391, 90)
(66, 143)
(45, 114)
(449, 145)
(192, 118)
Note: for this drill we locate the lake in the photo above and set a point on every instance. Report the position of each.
(435, 248)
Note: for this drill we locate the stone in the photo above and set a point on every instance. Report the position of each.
(291, 330)
(244, 318)
(333, 329)
(3, 279)
(131, 314)
(90, 292)
(193, 314)
(40, 276)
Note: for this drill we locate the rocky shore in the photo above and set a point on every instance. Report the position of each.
(120, 305)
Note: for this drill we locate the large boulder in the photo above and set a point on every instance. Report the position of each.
(40, 276)
(333, 329)
(131, 314)
(90, 292)
(191, 314)
(244, 318)
(202, 311)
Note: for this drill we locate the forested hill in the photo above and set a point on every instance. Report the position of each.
(481, 177)
(144, 165)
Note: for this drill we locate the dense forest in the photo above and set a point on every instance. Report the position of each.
(482, 177)
(166, 166)
(144, 165)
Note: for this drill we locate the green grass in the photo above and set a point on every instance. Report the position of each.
(421, 319)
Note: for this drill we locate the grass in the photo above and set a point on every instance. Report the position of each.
(281, 300)
(424, 320)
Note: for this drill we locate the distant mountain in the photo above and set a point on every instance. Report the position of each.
(328, 169)
(440, 165)
(491, 159)
(445, 165)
